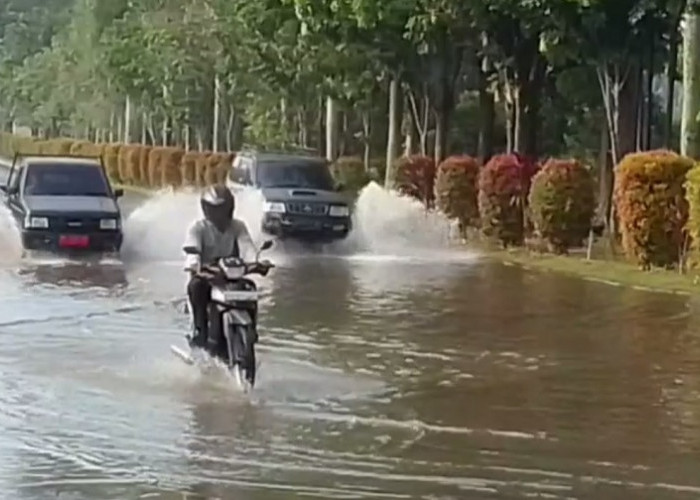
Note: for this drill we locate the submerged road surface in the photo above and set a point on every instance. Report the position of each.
(382, 377)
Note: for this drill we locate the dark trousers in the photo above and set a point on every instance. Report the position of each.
(199, 293)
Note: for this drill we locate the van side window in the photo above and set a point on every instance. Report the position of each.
(240, 171)
(16, 177)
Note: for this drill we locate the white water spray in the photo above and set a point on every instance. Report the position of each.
(10, 239)
(386, 227)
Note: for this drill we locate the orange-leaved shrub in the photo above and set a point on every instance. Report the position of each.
(651, 205)
(503, 186)
(562, 203)
(456, 190)
(414, 176)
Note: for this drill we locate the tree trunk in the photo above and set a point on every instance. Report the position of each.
(487, 114)
(366, 131)
(528, 97)
(215, 144)
(127, 121)
(649, 114)
(690, 137)
(393, 139)
(672, 72)
(331, 129)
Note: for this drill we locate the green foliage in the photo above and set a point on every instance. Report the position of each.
(652, 207)
(562, 203)
(456, 190)
(350, 172)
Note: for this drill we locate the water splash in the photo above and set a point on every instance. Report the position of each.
(155, 231)
(386, 227)
(10, 239)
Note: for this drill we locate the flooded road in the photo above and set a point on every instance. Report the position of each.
(410, 374)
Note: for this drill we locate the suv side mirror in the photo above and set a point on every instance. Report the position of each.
(340, 186)
(118, 193)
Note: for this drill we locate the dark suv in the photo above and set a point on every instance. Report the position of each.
(300, 198)
(64, 203)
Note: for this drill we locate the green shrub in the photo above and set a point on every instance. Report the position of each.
(503, 187)
(350, 172)
(562, 204)
(415, 177)
(377, 170)
(456, 192)
(652, 207)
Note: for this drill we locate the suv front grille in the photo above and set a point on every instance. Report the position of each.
(74, 224)
(303, 208)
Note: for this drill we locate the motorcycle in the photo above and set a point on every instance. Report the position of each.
(232, 316)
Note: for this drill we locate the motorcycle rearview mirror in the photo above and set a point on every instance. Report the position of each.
(190, 250)
(266, 245)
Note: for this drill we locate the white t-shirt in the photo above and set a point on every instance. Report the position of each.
(213, 244)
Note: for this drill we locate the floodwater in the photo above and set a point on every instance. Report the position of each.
(394, 367)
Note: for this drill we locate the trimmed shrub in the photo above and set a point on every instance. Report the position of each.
(188, 169)
(217, 166)
(562, 204)
(456, 191)
(377, 170)
(171, 175)
(110, 157)
(692, 196)
(350, 172)
(415, 177)
(201, 166)
(651, 205)
(155, 167)
(129, 166)
(503, 187)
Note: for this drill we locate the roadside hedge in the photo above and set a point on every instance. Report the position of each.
(415, 177)
(350, 172)
(562, 204)
(456, 192)
(137, 165)
(651, 203)
(503, 188)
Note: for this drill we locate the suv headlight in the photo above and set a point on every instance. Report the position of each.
(339, 211)
(109, 224)
(36, 222)
(275, 207)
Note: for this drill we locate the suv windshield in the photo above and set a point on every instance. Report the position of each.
(65, 179)
(309, 174)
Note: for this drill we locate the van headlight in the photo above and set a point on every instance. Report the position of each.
(109, 224)
(36, 222)
(339, 211)
(274, 207)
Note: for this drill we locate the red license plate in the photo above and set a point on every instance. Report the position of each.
(74, 241)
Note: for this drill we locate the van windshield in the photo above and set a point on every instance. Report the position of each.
(65, 179)
(298, 174)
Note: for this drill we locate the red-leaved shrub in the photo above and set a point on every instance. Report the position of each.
(503, 187)
(456, 190)
(415, 177)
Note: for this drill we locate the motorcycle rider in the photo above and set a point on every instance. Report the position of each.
(215, 236)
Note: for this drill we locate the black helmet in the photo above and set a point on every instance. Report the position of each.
(218, 205)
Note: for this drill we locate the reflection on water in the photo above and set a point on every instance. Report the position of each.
(381, 377)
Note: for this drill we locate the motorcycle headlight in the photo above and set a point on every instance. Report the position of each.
(108, 224)
(339, 211)
(274, 207)
(36, 222)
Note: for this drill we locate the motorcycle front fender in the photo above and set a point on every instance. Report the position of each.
(240, 317)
